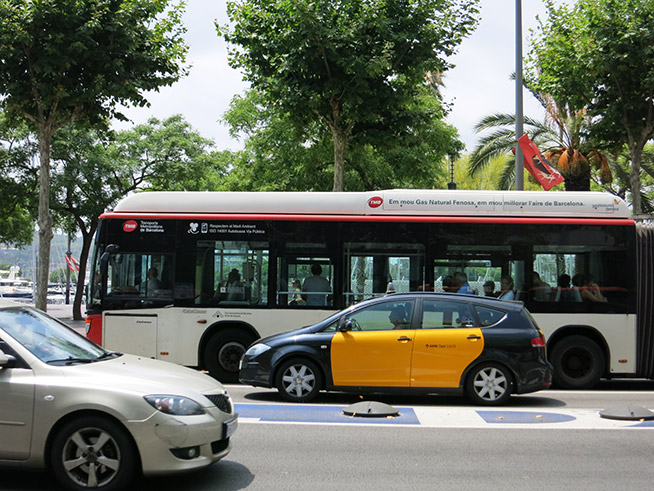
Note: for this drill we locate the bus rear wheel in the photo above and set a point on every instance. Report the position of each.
(578, 363)
(223, 354)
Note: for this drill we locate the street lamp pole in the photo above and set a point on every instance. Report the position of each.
(519, 116)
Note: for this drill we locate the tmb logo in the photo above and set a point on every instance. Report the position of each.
(375, 202)
(130, 225)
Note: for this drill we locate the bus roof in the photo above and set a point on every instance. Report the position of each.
(409, 202)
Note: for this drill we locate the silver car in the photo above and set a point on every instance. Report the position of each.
(98, 418)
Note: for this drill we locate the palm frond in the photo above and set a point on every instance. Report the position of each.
(498, 143)
(507, 179)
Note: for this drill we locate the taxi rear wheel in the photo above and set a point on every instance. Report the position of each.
(298, 380)
(489, 384)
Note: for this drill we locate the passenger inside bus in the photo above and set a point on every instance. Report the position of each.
(542, 290)
(589, 290)
(235, 289)
(564, 292)
(317, 284)
(506, 288)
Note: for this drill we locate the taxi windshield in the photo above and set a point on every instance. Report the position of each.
(47, 339)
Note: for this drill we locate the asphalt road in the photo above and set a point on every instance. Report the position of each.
(548, 440)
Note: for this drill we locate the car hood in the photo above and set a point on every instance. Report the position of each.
(143, 376)
(286, 335)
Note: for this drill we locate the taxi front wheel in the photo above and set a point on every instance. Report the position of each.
(489, 384)
(298, 380)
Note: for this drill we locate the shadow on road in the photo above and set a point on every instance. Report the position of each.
(342, 398)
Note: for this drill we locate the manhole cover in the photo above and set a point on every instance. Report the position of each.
(627, 413)
(371, 409)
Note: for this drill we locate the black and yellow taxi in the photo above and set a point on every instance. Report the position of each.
(408, 342)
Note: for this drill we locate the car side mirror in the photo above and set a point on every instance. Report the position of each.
(6, 361)
(345, 325)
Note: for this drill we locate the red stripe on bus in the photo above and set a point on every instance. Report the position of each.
(369, 218)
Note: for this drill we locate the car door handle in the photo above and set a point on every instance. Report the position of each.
(403, 338)
(474, 337)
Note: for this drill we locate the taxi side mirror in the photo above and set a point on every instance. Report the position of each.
(345, 325)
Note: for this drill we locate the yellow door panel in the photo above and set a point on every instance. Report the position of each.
(441, 355)
(373, 358)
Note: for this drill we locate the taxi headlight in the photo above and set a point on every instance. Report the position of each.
(257, 349)
(176, 405)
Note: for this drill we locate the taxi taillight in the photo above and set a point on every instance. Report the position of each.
(538, 341)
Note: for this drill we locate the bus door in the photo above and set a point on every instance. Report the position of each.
(231, 273)
(130, 332)
(305, 277)
(373, 269)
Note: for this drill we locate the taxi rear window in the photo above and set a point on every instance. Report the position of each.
(488, 316)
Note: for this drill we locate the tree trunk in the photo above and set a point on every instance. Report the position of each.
(636, 151)
(45, 220)
(87, 241)
(339, 158)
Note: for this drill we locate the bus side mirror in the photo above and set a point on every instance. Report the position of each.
(104, 259)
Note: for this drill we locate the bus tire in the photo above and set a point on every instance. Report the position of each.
(223, 354)
(578, 363)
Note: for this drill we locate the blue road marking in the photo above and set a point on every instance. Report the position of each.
(520, 417)
(318, 414)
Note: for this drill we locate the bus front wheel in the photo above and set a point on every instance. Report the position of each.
(578, 363)
(223, 354)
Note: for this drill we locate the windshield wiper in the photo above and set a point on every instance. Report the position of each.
(70, 360)
(108, 354)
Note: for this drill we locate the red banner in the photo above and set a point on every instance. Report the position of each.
(72, 263)
(537, 165)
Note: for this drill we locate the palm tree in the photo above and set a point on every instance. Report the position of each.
(559, 136)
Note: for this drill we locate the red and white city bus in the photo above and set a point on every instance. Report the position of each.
(195, 277)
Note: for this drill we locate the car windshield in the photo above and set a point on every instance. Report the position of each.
(47, 339)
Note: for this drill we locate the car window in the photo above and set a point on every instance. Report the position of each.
(383, 316)
(45, 338)
(440, 314)
(488, 316)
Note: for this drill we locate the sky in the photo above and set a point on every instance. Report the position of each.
(479, 85)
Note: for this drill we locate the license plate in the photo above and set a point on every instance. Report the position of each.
(229, 427)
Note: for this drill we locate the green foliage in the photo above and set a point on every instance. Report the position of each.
(71, 59)
(165, 155)
(352, 67)
(76, 60)
(279, 155)
(17, 185)
(599, 55)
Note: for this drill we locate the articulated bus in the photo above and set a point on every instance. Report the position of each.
(195, 277)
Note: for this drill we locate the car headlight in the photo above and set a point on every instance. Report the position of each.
(176, 405)
(257, 349)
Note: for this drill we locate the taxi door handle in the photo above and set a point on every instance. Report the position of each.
(474, 337)
(403, 338)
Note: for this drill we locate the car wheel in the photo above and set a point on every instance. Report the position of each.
(223, 354)
(489, 384)
(578, 363)
(298, 380)
(93, 452)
